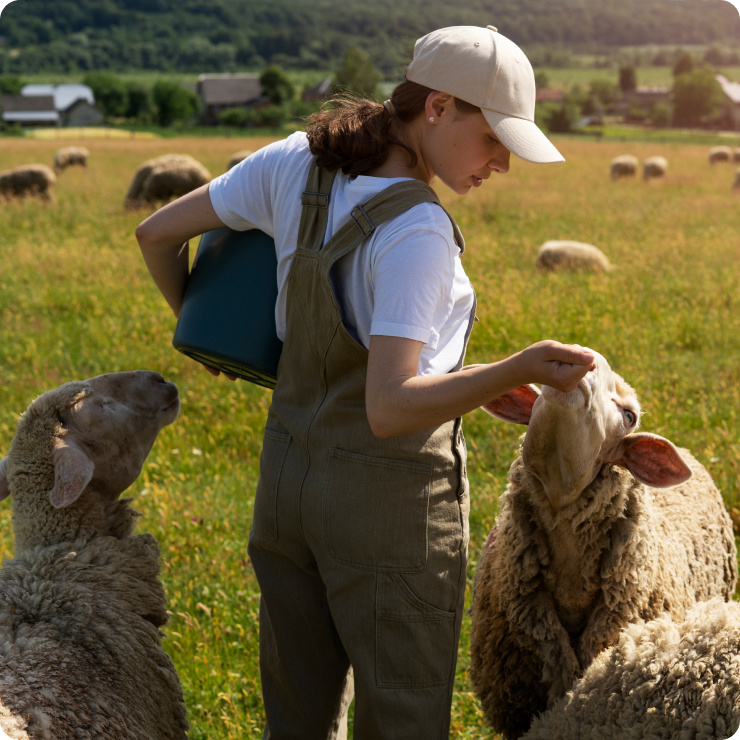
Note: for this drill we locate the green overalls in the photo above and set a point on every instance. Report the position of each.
(359, 544)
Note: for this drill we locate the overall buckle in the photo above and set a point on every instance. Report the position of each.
(315, 200)
(364, 224)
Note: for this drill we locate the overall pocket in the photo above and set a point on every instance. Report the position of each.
(416, 645)
(375, 512)
(274, 448)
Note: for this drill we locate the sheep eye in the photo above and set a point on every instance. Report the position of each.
(631, 417)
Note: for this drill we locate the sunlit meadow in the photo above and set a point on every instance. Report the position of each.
(76, 300)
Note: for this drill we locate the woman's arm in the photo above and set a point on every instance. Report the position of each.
(164, 236)
(399, 401)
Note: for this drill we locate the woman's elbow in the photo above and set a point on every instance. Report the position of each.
(382, 424)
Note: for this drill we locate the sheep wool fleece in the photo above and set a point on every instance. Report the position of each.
(359, 544)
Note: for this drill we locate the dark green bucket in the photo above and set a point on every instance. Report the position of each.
(227, 319)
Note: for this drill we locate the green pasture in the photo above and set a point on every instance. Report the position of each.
(76, 300)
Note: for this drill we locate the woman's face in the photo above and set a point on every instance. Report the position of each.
(460, 148)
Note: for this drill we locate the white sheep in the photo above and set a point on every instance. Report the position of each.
(664, 678)
(81, 604)
(164, 178)
(568, 255)
(736, 182)
(70, 155)
(587, 540)
(238, 157)
(625, 165)
(28, 180)
(720, 154)
(654, 167)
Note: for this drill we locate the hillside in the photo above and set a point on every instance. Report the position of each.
(205, 35)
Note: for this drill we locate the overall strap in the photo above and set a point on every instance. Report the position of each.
(315, 211)
(385, 206)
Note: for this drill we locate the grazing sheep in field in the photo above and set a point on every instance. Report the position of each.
(69, 156)
(28, 179)
(654, 167)
(587, 541)
(81, 604)
(720, 154)
(664, 678)
(736, 182)
(566, 255)
(624, 166)
(164, 178)
(238, 157)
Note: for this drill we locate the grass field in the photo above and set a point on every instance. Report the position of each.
(76, 300)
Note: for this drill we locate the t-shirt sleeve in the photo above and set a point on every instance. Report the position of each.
(413, 272)
(243, 197)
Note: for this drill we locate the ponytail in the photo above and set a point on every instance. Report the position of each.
(355, 135)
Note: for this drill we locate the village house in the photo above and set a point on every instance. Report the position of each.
(219, 92)
(70, 104)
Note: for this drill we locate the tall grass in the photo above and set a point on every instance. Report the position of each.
(76, 300)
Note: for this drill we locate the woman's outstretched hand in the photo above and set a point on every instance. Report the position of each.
(560, 366)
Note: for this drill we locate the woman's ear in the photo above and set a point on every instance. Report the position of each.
(514, 406)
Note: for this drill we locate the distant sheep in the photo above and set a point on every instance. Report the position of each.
(69, 156)
(163, 178)
(573, 256)
(238, 157)
(28, 180)
(587, 541)
(720, 154)
(81, 606)
(736, 183)
(663, 679)
(625, 165)
(654, 167)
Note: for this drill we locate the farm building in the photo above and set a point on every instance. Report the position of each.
(219, 92)
(52, 105)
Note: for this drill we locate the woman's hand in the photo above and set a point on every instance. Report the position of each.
(216, 373)
(558, 365)
(398, 401)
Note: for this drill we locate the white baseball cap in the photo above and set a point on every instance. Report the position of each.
(485, 69)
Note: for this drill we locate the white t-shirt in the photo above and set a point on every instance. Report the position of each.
(404, 280)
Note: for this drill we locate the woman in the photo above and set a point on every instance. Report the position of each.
(359, 539)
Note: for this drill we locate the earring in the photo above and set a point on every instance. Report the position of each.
(431, 119)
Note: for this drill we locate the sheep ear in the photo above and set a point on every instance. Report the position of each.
(4, 485)
(514, 406)
(653, 460)
(73, 470)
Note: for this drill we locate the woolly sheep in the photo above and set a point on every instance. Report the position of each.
(70, 155)
(567, 255)
(238, 157)
(720, 154)
(587, 541)
(736, 183)
(28, 179)
(654, 167)
(662, 679)
(165, 177)
(81, 604)
(625, 165)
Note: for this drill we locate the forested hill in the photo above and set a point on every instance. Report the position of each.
(203, 35)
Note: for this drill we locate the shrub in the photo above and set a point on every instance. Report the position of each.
(237, 117)
(109, 91)
(357, 74)
(276, 85)
(698, 97)
(174, 102)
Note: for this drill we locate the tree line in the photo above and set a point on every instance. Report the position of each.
(219, 35)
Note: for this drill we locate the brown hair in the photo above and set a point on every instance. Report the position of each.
(355, 135)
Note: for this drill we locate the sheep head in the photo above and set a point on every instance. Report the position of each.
(80, 446)
(571, 436)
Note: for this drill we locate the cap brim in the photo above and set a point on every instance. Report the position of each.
(523, 138)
